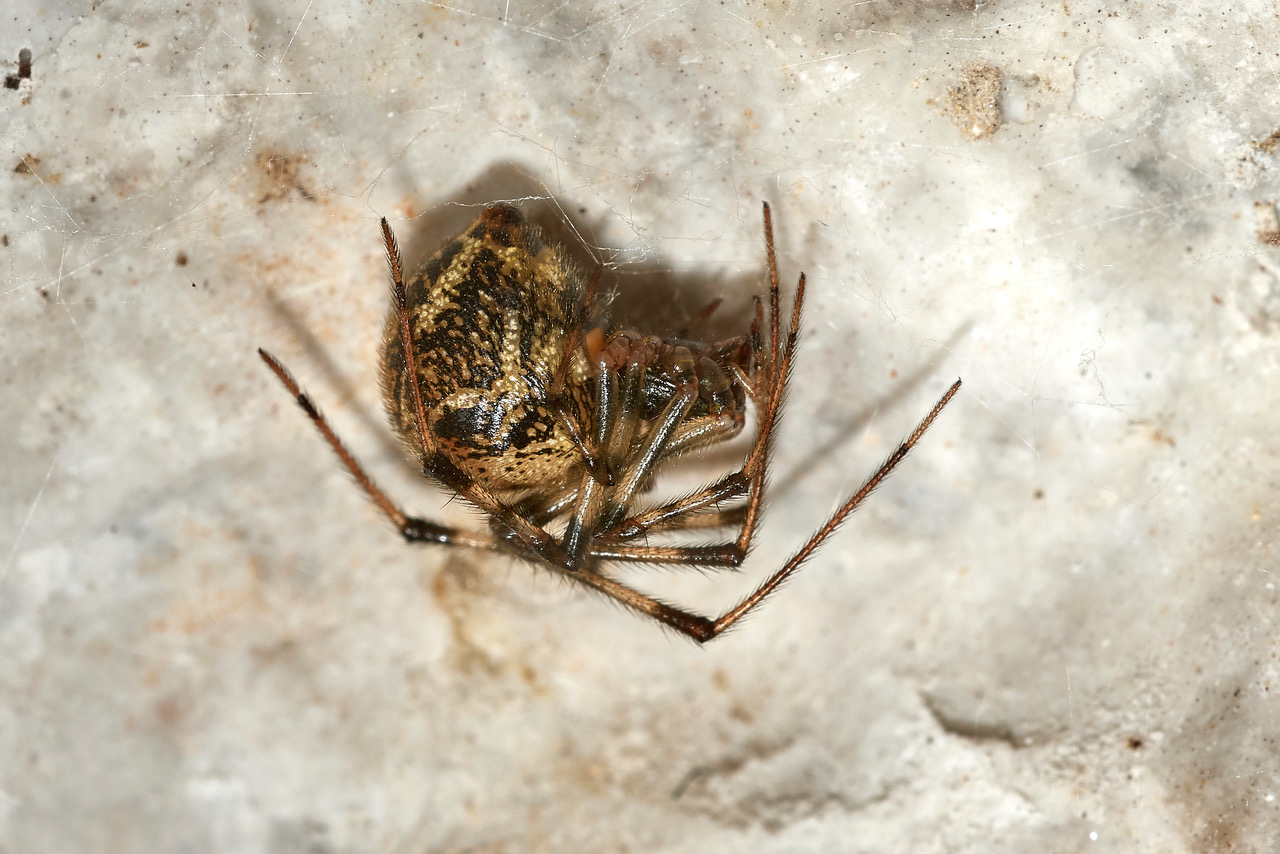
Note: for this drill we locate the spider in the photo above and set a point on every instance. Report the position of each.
(512, 394)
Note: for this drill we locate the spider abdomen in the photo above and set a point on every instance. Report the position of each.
(489, 315)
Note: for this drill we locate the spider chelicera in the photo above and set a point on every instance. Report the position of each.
(511, 393)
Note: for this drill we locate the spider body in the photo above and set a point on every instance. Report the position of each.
(511, 393)
(506, 395)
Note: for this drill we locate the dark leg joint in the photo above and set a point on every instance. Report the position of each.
(422, 531)
(308, 407)
(699, 628)
(726, 555)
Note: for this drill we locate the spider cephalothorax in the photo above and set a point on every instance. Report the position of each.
(504, 383)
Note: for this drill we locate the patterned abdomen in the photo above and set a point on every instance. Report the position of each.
(490, 315)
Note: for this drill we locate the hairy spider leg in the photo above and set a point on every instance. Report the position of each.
(703, 629)
(701, 509)
(773, 384)
(776, 580)
(590, 493)
(766, 389)
(699, 318)
(615, 426)
(614, 434)
(411, 528)
(693, 433)
(414, 529)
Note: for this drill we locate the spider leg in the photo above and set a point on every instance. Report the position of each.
(767, 391)
(701, 432)
(702, 518)
(722, 556)
(692, 625)
(773, 387)
(701, 628)
(543, 510)
(641, 464)
(406, 335)
(600, 507)
(591, 490)
(774, 581)
(699, 318)
(623, 426)
(680, 512)
(412, 528)
(674, 513)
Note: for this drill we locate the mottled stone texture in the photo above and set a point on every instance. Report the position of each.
(1054, 630)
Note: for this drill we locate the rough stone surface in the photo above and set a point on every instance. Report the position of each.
(1054, 630)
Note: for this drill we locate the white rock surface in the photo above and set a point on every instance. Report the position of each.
(1053, 631)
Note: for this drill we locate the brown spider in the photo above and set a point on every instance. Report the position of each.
(500, 381)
